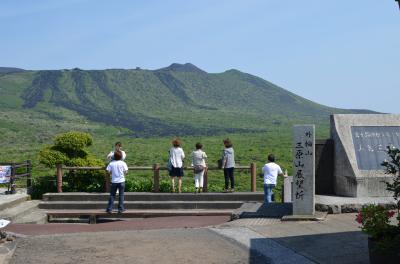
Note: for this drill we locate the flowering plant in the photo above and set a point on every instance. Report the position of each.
(375, 220)
(393, 167)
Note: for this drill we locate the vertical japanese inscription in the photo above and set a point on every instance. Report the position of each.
(304, 169)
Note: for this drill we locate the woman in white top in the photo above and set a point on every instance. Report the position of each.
(176, 156)
(199, 167)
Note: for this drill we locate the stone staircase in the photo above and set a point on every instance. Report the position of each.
(92, 205)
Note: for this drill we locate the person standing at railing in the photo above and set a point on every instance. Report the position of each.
(117, 147)
(199, 167)
(228, 165)
(175, 161)
(271, 170)
(118, 169)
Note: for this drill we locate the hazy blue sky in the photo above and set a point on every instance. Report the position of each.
(342, 53)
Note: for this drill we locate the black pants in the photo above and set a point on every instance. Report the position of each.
(228, 173)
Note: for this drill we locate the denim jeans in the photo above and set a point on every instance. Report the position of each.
(268, 192)
(121, 190)
(228, 173)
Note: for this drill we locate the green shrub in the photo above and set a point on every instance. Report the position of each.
(69, 150)
(138, 185)
(51, 157)
(73, 143)
(41, 185)
(165, 186)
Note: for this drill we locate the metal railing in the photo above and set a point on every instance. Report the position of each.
(156, 168)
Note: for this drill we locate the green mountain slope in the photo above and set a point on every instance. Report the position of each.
(177, 100)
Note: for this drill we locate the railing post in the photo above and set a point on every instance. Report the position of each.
(253, 172)
(156, 179)
(29, 177)
(107, 182)
(59, 178)
(12, 179)
(205, 180)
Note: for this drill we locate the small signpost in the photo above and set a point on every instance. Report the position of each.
(10, 172)
(5, 174)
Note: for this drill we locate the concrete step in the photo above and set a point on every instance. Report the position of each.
(93, 215)
(10, 200)
(141, 196)
(87, 205)
(19, 210)
(35, 217)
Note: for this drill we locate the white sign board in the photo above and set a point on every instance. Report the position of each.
(4, 223)
(5, 174)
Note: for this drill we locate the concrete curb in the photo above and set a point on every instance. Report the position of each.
(7, 251)
(266, 247)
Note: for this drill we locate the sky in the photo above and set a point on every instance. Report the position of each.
(342, 53)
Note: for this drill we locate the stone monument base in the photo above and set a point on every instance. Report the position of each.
(339, 204)
(318, 216)
(369, 186)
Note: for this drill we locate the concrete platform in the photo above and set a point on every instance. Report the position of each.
(20, 210)
(73, 206)
(10, 200)
(324, 203)
(338, 239)
(257, 210)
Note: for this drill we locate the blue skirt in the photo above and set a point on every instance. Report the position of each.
(176, 172)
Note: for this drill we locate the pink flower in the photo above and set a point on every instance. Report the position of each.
(390, 213)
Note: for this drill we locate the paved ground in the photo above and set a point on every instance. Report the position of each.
(336, 240)
(196, 239)
(254, 240)
(140, 246)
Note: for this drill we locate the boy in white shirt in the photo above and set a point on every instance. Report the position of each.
(117, 169)
(271, 170)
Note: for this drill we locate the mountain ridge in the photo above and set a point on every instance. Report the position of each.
(180, 99)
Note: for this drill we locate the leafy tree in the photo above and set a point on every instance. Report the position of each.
(393, 167)
(69, 149)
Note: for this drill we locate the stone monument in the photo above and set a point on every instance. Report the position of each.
(360, 141)
(304, 170)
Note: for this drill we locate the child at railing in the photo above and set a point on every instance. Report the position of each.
(117, 147)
